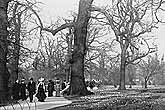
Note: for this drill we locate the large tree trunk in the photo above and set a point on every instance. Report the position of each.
(122, 69)
(77, 86)
(124, 46)
(4, 74)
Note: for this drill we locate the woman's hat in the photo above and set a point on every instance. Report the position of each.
(41, 79)
(23, 79)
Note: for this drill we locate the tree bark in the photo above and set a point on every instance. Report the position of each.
(4, 74)
(122, 70)
(77, 84)
(69, 38)
(16, 52)
(124, 46)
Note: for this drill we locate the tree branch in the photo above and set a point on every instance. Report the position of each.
(64, 26)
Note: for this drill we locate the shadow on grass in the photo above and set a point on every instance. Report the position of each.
(131, 99)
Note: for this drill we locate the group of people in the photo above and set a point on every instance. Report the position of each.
(19, 89)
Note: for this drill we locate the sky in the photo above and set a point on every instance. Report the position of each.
(52, 9)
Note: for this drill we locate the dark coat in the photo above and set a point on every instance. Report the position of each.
(50, 88)
(41, 93)
(63, 86)
(31, 87)
(23, 91)
(15, 91)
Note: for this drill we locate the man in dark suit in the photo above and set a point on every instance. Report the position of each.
(50, 88)
(16, 90)
(31, 87)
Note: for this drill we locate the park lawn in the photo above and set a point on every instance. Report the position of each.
(117, 100)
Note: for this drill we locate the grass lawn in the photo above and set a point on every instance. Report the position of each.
(107, 98)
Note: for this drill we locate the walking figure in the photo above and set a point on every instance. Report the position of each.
(31, 89)
(63, 85)
(57, 87)
(50, 88)
(16, 90)
(41, 90)
(23, 90)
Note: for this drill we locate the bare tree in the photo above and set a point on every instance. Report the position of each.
(18, 17)
(126, 19)
(78, 86)
(77, 83)
(97, 48)
(150, 67)
(114, 73)
(16, 20)
(131, 73)
(131, 21)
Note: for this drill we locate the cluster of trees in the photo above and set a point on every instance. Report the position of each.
(76, 47)
(151, 68)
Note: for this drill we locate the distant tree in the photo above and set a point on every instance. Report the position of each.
(18, 18)
(150, 67)
(131, 21)
(69, 40)
(114, 73)
(15, 36)
(131, 73)
(97, 51)
(104, 61)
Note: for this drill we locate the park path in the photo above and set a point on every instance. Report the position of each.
(53, 102)
(50, 102)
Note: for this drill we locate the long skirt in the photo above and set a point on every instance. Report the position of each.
(41, 95)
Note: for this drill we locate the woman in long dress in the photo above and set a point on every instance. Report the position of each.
(23, 90)
(41, 91)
